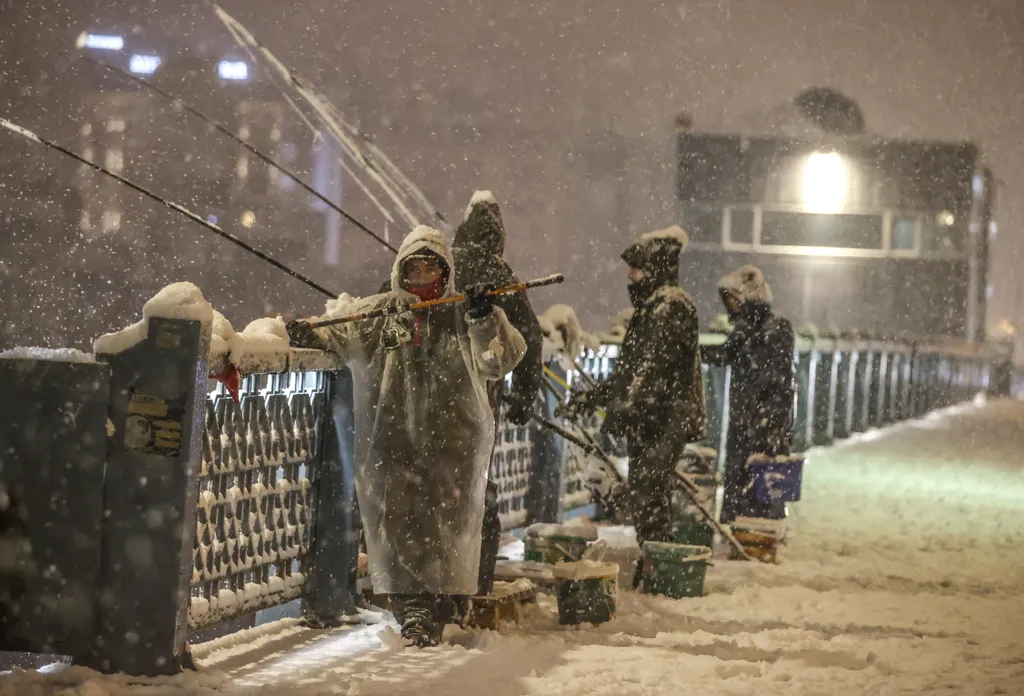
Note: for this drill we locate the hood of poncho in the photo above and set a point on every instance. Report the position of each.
(421, 239)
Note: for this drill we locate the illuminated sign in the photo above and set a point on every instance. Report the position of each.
(233, 70)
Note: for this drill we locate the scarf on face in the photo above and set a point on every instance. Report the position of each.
(425, 293)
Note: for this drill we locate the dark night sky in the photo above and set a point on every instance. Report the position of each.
(525, 74)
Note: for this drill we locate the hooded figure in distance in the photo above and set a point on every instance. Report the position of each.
(424, 429)
(655, 396)
(761, 393)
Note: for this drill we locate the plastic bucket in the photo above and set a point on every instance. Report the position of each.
(674, 570)
(586, 595)
(778, 479)
(545, 543)
(759, 537)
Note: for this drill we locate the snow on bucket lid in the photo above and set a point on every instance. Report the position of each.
(683, 552)
(585, 570)
(570, 531)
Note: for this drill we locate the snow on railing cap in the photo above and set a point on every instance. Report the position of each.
(69, 355)
(176, 301)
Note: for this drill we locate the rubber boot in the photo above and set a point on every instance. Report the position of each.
(419, 618)
(490, 541)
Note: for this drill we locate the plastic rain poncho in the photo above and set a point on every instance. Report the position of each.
(424, 430)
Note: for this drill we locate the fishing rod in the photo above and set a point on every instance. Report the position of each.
(177, 207)
(325, 111)
(685, 484)
(402, 308)
(241, 141)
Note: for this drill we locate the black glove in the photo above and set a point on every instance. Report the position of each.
(518, 410)
(302, 335)
(480, 305)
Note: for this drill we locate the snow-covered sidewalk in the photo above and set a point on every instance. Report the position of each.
(903, 575)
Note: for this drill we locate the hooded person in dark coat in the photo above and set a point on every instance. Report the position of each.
(477, 250)
(761, 394)
(655, 396)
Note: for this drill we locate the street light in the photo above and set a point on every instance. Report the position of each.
(825, 184)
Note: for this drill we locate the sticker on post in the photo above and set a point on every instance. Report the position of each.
(154, 425)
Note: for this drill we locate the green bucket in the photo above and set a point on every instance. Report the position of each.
(546, 543)
(674, 570)
(587, 597)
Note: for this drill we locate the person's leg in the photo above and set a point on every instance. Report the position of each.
(651, 469)
(419, 618)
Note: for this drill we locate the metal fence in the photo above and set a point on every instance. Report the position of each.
(238, 507)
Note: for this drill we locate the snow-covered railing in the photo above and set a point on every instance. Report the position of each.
(254, 531)
(849, 384)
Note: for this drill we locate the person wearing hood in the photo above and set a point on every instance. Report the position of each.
(478, 249)
(655, 396)
(424, 429)
(761, 393)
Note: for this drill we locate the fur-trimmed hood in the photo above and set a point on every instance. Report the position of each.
(747, 284)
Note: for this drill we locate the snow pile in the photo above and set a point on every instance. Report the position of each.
(223, 335)
(51, 354)
(176, 301)
(341, 306)
(262, 337)
(562, 328)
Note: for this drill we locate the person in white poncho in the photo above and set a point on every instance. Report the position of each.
(424, 429)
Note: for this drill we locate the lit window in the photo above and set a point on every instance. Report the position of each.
(100, 42)
(144, 65)
(114, 159)
(233, 70)
(115, 125)
(978, 185)
(111, 220)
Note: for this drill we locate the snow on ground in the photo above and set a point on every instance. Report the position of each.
(903, 575)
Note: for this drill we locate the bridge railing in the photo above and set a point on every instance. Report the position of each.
(185, 508)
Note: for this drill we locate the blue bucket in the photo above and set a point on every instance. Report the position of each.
(776, 479)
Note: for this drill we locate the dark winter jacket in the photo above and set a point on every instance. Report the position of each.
(760, 352)
(478, 248)
(657, 386)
